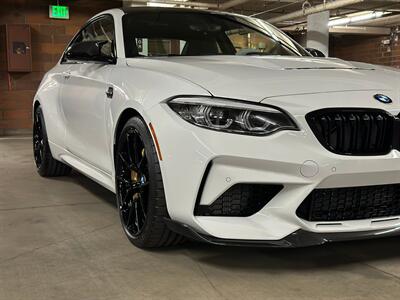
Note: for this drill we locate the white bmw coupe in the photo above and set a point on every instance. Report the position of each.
(220, 128)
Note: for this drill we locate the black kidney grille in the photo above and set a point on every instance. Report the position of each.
(354, 131)
(351, 203)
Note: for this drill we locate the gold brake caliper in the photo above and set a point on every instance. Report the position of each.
(135, 175)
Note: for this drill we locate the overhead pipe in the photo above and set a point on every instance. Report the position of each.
(313, 9)
(383, 21)
(275, 8)
(361, 30)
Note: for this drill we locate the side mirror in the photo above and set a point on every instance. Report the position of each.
(315, 52)
(90, 51)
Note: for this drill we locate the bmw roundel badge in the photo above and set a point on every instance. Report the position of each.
(383, 98)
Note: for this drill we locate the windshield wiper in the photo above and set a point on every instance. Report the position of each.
(257, 53)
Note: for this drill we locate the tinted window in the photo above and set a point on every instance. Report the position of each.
(101, 30)
(171, 33)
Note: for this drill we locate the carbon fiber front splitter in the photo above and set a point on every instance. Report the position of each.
(299, 238)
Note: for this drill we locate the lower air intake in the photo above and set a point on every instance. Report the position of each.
(352, 203)
(241, 200)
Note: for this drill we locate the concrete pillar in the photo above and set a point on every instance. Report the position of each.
(318, 32)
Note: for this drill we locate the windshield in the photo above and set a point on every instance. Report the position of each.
(191, 33)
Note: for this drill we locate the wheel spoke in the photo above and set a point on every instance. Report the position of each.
(140, 162)
(142, 205)
(130, 146)
(122, 202)
(128, 166)
(127, 195)
(124, 161)
(136, 216)
(129, 220)
(135, 149)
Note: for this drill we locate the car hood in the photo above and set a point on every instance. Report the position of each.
(255, 78)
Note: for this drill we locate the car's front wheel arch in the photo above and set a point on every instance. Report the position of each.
(123, 118)
(36, 104)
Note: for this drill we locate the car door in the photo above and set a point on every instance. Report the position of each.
(85, 97)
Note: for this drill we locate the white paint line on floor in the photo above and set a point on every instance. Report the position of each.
(15, 138)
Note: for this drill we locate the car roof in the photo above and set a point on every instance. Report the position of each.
(128, 10)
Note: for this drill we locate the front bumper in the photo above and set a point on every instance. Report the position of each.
(294, 159)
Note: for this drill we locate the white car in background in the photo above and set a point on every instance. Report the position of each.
(220, 128)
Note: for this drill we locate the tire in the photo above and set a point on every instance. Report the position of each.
(139, 188)
(46, 165)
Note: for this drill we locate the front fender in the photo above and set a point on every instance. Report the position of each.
(140, 90)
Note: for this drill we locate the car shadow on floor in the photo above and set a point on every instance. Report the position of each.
(332, 255)
(266, 259)
(90, 186)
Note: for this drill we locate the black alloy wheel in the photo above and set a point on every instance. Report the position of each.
(139, 187)
(132, 182)
(38, 140)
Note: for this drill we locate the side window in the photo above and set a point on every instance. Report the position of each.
(100, 30)
(159, 46)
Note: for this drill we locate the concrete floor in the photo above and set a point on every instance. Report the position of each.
(61, 239)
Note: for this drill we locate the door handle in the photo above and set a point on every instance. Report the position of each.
(110, 92)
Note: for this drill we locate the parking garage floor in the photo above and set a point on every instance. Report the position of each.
(61, 239)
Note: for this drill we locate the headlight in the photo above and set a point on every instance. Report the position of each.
(232, 116)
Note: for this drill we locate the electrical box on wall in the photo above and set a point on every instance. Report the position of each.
(15, 45)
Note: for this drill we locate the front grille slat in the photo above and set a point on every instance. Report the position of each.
(347, 134)
(367, 133)
(379, 131)
(350, 131)
(351, 203)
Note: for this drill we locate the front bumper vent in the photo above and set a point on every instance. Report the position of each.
(241, 200)
(351, 203)
(350, 131)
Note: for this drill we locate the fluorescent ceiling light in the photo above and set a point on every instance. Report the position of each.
(350, 19)
(158, 4)
(165, 3)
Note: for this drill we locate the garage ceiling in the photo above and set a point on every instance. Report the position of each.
(273, 10)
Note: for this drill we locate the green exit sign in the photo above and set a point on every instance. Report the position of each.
(59, 12)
